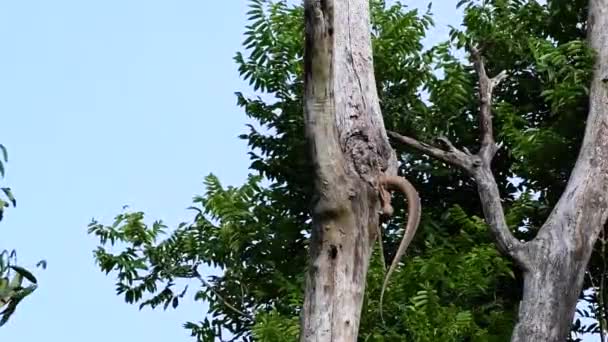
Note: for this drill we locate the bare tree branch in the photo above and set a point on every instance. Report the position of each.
(486, 87)
(450, 154)
(479, 165)
(218, 295)
(495, 217)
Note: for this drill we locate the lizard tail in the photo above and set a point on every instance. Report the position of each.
(414, 210)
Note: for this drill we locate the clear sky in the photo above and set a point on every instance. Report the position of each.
(107, 103)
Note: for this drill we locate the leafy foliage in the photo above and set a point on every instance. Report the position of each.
(12, 287)
(454, 286)
(12, 277)
(239, 244)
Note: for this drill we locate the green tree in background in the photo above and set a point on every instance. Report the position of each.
(454, 285)
(13, 285)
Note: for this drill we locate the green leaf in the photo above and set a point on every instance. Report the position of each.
(25, 273)
(4, 153)
(9, 194)
(42, 264)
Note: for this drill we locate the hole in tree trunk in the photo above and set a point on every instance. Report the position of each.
(333, 251)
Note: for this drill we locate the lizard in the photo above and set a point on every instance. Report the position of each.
(386, 184)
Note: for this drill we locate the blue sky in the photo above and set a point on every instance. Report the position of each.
(107, 103)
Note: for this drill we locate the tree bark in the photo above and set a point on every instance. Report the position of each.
(350, 150)
(551, 290)
(562, 249)
(555, 261)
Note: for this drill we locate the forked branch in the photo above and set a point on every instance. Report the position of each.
(449, 153)
(486, 87)
(478, 165)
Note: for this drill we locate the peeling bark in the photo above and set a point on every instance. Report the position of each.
(350, 150)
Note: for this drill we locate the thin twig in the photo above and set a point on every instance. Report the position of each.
(210, 287)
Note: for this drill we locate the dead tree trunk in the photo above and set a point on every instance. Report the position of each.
(561, 251)
(554, 262)
(350, 150)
